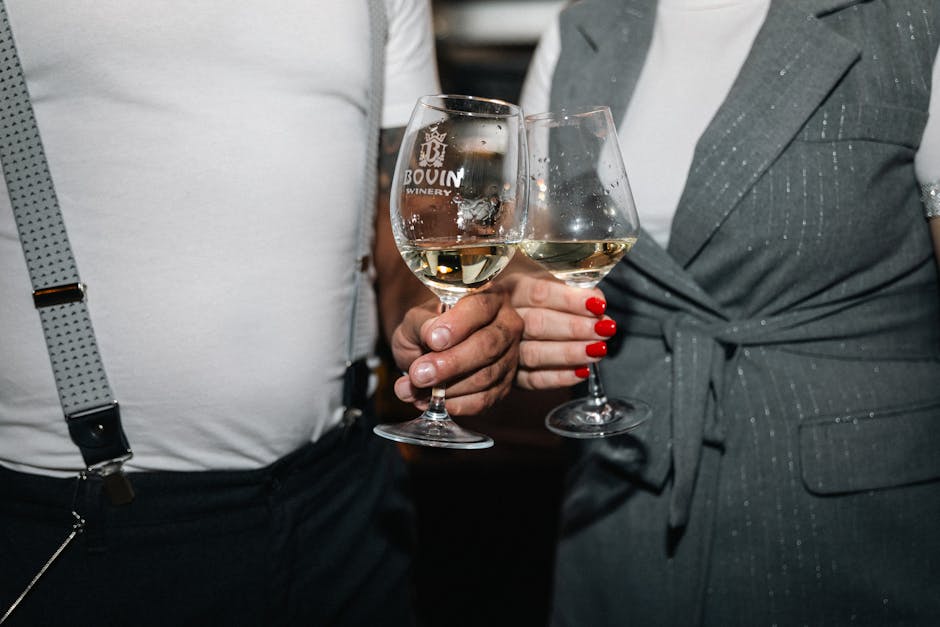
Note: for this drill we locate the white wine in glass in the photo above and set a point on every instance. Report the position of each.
(458, 204)
(578, 263)
(451, 269)
(581, 222)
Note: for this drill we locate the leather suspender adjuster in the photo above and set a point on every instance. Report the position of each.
(355, 390)
(59, 295)
(104, 447)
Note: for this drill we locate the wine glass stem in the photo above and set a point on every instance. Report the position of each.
(436, 409)
(596, 395)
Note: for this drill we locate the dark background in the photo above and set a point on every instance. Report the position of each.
(487, 519)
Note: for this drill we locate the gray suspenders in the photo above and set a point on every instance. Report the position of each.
(91, 412)
(361, 339)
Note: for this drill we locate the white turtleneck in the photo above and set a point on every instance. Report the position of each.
(696, 52)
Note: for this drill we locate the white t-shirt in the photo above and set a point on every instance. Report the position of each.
(697, 47)
(208, 158)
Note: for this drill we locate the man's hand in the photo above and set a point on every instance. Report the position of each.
(474, 351)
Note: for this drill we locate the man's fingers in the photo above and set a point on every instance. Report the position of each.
(486, 348)
(425, 328)
(470, 314)
(406, 342)
(474, 403)
(467, 397)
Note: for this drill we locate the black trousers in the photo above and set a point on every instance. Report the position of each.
(321, 537)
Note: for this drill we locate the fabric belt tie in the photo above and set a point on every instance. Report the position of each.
(702, 351)
(704, 347)
(698, 363)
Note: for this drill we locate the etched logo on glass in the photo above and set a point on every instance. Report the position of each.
(433, 149)
(429, 178)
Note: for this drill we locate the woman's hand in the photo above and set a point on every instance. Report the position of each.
(565, 329)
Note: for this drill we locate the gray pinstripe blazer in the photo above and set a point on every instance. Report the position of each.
(788, 341)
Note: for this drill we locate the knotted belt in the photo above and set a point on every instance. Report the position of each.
(703, 346)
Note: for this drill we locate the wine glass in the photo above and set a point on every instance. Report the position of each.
(580, 223)
(458, 210)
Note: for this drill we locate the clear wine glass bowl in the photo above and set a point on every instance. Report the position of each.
(581, 221)
(458, 204)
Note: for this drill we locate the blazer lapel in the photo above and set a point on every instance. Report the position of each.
(605, 46)
(604, 50)
(794, 63)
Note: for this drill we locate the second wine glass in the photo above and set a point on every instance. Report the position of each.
(458, 209)
(580, 223)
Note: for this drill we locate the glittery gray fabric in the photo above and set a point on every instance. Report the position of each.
(930, 194)
(76, 365)
(788, 341)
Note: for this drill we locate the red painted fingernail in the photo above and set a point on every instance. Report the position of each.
(605, 327)
(597, 349)
(596, 305)
(583, 372)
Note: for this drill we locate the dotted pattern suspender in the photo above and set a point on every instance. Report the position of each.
(361, 332)
(86, 397)
(360, 343)
(84, 393)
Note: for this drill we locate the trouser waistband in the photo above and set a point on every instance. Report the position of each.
(163, 495)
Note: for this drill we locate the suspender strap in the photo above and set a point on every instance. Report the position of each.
(361, 341)
(92, 414)
(90, 410)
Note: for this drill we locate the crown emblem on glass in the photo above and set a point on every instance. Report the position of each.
(433, 149)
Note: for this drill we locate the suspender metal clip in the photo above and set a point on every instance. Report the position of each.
(117, 486)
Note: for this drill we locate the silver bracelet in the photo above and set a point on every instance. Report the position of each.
(930, 194)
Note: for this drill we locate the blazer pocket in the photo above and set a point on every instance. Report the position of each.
(869, 451)
(865, 122)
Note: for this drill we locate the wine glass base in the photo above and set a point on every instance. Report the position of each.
(582, 418)
(436, 432)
